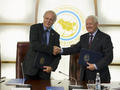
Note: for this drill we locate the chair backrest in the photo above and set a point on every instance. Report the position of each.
(74, 69)
(22, 48)
(0, 62)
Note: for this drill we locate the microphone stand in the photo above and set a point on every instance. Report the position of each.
(23, 85)
(22, 72)
(71, 87)
(69, 77)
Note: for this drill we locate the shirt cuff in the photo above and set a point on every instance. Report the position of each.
(61, 51)
(95, 66)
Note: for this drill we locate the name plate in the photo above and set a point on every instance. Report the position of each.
(54, 88)
(75, 87)
(79, 89)
(20, 89)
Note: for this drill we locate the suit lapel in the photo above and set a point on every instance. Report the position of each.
(41, 30)
(51, 36)
(96, 39)
(87, 40)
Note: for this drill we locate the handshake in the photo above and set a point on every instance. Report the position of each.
(56, 50)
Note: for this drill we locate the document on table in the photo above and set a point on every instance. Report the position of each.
(15, 82)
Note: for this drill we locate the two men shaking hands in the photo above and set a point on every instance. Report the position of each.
(56, 50)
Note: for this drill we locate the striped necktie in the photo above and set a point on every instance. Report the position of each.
(45, 37)
(90, 41)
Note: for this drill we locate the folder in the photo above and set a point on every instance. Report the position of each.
(15, 81)
(42, 59)
(19, 83)
(90, 56)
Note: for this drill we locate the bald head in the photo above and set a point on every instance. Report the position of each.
(94, 18)
(91, 24)
(49, 19)
(51, 12)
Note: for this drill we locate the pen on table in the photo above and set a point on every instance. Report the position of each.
(2, 77)
(2, 81)
(59, 82)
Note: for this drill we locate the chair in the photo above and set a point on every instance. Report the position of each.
(22, 48)
(74, 70)
(0, 62)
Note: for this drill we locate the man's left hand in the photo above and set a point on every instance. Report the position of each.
(47, 69)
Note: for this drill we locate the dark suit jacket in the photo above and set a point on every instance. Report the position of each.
(101, 43)
(36, 45)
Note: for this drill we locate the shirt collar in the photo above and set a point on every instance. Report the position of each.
(46, 28)
(94, 33)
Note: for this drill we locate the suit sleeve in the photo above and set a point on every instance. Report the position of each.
(55, 63)
(57, 58)
(36, 43)
(73, 49)
(107, 50)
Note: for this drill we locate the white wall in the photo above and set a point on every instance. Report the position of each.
(24, 12)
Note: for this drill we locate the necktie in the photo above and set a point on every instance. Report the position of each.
(45, 37)
(90, 41)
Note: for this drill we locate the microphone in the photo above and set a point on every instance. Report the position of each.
(23, 85)
(2, 79)
(71, 87)
(22, 72)
(19, 82)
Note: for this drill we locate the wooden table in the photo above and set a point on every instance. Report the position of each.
(42, 84)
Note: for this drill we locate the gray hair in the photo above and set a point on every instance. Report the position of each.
(50, 11)
(94, 18)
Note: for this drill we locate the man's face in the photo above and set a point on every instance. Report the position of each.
(91, 25)
(48, 20)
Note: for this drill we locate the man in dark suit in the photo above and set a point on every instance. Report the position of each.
(38, 44)
(101, 43)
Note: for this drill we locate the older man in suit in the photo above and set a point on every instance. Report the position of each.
(42, 40)
(101, 43)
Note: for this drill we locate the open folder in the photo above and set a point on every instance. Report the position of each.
(19, 83)
(15, 81)
(90, 56)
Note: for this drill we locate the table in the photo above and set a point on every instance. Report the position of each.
(42, 84)
(39, 84)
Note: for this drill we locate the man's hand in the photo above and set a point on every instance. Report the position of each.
(56, 50)
(47, 69)
(90, 66)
